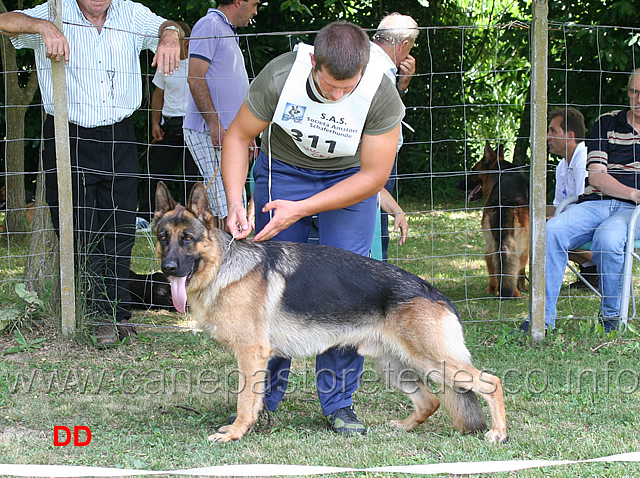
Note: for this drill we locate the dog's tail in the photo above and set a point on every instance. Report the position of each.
(465, 410)
(506, 261)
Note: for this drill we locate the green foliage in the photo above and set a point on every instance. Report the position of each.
(20, 308)
(23, 344)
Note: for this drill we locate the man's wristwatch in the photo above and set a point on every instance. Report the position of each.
(172, 28)
(402, 92)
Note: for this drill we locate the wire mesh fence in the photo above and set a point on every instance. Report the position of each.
(470, 99)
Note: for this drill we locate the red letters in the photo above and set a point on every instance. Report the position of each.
(76, 441)
(56, 441)
(76, 438)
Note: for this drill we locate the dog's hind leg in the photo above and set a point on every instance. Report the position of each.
(436, 348)
(462, 382)
(405, 378)
(252, 365)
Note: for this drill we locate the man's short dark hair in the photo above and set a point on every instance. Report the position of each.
(572, 120)
(343, 49)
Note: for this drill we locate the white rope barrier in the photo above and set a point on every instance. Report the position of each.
(461, 468)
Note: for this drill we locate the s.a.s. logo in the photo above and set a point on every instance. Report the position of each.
(293, 113)
(333, 119)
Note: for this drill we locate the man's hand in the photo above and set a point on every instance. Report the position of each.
(157, 132)
(400, 223)
(406, 70)
(217, 133)
(238, 224)
(55, 41)
(285, 213)
(167, 57)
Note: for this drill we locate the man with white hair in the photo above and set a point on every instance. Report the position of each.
(395, 38)
(392, 43)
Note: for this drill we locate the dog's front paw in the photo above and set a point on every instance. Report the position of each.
(229, 433)
(406, 424)
(496, 436)
(219, 438)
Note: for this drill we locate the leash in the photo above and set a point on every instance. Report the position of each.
(269, 180)
(234, 238)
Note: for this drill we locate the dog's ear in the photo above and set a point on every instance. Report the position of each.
(199, 202)
(164, 201)
(500, 152)
(489, 154)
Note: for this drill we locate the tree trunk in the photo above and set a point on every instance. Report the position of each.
(18, 101)
(41, 270)
(524, 133)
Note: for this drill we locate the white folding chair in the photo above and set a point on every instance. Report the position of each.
(627, 295)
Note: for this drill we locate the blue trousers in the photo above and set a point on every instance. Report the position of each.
(338, 371)
(605, 223)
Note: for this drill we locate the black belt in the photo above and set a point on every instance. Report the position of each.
(173, 120)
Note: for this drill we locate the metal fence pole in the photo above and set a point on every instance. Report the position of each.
(538, 177)
(65, 201)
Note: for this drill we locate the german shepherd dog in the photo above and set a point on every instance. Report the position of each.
(265, 299)
(505, 220)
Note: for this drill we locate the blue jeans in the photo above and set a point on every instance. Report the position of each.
(605, 223)
(338, 371)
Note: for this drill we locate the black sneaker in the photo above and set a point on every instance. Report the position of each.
(345, 422)
(609, 324)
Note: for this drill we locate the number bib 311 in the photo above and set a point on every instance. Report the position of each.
(324, 130)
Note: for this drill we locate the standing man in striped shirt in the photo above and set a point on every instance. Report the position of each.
(100, 42)
(602, 212)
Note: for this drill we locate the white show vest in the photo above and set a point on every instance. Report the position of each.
(324, 130)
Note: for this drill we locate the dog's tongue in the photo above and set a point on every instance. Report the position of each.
(179, 293)
(475, 190)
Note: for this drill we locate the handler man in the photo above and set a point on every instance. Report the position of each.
(332, 122)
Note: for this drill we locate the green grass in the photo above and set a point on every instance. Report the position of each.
(152, 404)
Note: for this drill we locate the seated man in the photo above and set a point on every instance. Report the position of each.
(602, 212)
(565, 138)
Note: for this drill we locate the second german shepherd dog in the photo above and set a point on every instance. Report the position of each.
(505, 221)
(265, 299)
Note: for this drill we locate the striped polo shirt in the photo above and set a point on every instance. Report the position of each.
(615, 144)
(104, 83)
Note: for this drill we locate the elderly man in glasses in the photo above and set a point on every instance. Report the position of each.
(602, 212)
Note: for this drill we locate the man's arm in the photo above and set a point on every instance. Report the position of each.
(167, 57)
(55, 42)
(600, 179)
(202, 97)
(235, 167)
(157, 102)
(391, 206)
(377, 154)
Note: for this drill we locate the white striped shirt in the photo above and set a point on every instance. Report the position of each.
(104, 83)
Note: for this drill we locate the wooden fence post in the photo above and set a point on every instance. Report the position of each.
(65, 200)
(538, 177)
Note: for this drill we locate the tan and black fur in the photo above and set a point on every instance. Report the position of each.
(505, 221)
(296, 300)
